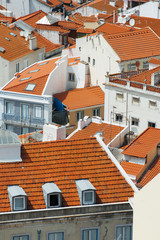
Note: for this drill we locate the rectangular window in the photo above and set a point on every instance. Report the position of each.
(9, 108)
(71, 77)
(146, 65)
(135, 100)
(156, 79)
(38, 112)
(97, 112)
(89, 59)
(24, 130)
(151, 124)
(119, 97)
(19, 203)
(25, 63)
(10, 127)
(88, 197)
(124, 232)
(135, 122)
(152, 104)
(118, 117)
(40, 57)
(94, 62)
(90, 234)
(132, 67)
(17, 67)
(22, 237)
(25, 111)
(79, 115)
(56, 236)
(54, 200)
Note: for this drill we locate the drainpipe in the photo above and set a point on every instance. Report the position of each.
(39, 234)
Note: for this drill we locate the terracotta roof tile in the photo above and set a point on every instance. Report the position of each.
(83, 19)
(82, 97)
(102, 5)
(15, 46)
(73, 61)
(111, 28)
(154, 61)
(137, 44)
(51, 3)
(63, 162)
(2, 8)
(36, 74)
(109, 131)
(144, 143)
(131, 168)
(69, 25)
(85, 30)
(52, 28)
(151, 172)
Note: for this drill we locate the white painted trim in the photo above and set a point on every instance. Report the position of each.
(114, 160)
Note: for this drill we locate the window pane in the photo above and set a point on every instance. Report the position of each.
(25, 111)
(38, 112)
(24, 237)
(88, 197)
(9, 108)
(53, 200)
(56, 236)
(127, 233)
(93, 234)
(19, 203)
(90, 234)
(119, 233)
(86, 235)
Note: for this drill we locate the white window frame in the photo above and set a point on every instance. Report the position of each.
(79, 115)
(56, 234)
(14, 203)
(89, 231)
(123, 226)
(136, 120)
(88, 202)
(27, 118)
(48, 200)
(152, 104)
(17, 67)
(120, 116)
(119, 96)
(96, 111)
(10, 112)
(135, 100)
(71, 77)
(35, 114)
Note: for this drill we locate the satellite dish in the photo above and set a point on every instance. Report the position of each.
(123, 20)
(131, 22)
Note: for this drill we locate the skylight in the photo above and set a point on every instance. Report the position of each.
(2, 49)
(7, 39)
(43, 63)
(13, 34)
(30, 87)
(36, 70)
(24, 78)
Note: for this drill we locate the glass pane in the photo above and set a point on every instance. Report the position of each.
(19, 203)
(38, 112)
(55, 236)
(93, 234)
(25, 111)
(85, 234)
(59, 236)
(51, 236)
(54, 200)
(127, 233)
(119, 233)
(88, 197)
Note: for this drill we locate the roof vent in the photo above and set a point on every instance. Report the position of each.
(2, 49)
(13, 34)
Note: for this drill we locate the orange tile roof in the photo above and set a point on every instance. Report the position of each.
(149, 173)
(137, 44)
(142, 22)
(85, 30)
(154, 61)
(71, 41)
(2, 8)
(51, 3)
(81, 97)
(145, 77)
(144, 143)
(15, 46)
(131, 168)
(102, 5)
(109, 131)
(83, 19)
(69, 25)
(39, 78)
(73, 61)
(52, 28)
(4, 19)
(63, 162)
(32, 18)
(111, 28)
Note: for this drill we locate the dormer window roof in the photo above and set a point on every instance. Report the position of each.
(86, 191)
(17, 198)
(52, 195)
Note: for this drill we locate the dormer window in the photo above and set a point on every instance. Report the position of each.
(52, 195)
(17, 197)
(86, 192)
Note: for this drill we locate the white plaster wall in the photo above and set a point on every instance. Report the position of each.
(56, 82)
(105, 59)
(4, 71)
(71, 52)
(146, 211)
(134, 159)
(142, 111)
(10, 152)
(36, 6)
(87, 11)
(52, 36)
(18, 7)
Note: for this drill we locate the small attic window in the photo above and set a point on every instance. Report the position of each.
(17, 197)
(36, 70)
(2, 49)
(7, 39)
(30, 87)
(22, 79)
(43, 63)
(52, 195)
(86, 192)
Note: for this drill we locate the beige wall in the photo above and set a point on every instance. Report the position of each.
(87, 112)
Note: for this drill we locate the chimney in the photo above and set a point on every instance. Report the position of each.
(33, 43)
(84, 122)
(53, 132)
